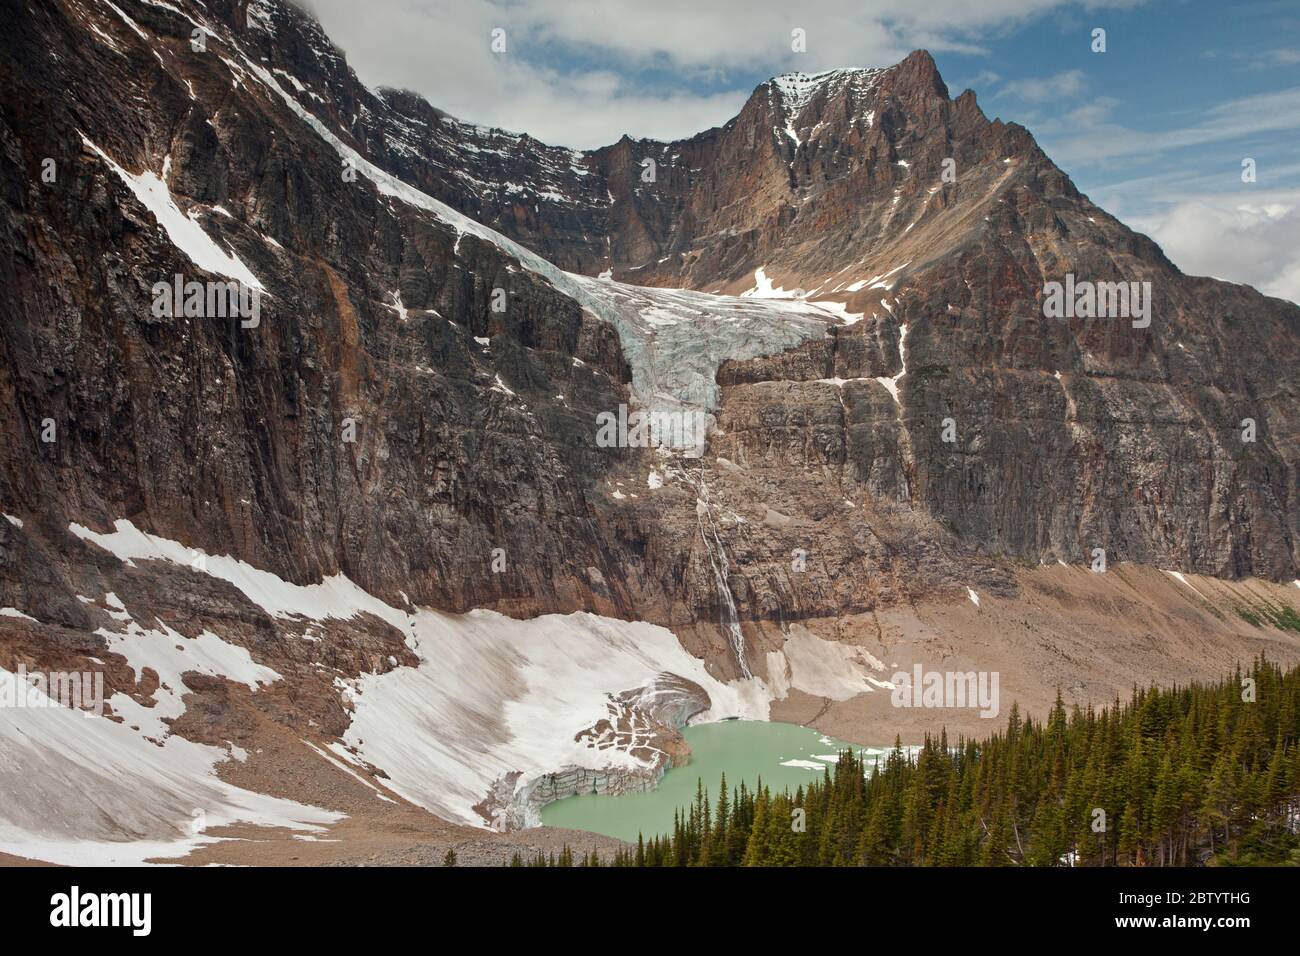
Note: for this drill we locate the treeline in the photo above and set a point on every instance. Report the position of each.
(1204, 774)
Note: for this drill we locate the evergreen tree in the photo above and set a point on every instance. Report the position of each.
(1172, 777)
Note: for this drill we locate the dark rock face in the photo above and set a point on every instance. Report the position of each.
(231, 439)
(1135, 447)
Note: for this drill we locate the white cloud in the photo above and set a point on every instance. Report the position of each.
(1251, 238)
(1040, 89)
(1283, 57)
(983, 80)
(573, 71)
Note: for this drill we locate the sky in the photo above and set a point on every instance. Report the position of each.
(1155, 129)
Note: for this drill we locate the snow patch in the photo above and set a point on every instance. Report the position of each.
(841, 310)
(334, 597)
(127, 20)
(171, 655)
(184, 231)
(892, 383)
(763, 288)
(396, 305)
(1178, 576)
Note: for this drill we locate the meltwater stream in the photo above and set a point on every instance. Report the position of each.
(721, 568)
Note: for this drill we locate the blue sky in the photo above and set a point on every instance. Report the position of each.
(1121, 123)
(1155, 129)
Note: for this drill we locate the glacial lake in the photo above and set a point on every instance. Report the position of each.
(783, 755)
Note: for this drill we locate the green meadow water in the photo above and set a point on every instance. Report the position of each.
(783, 755)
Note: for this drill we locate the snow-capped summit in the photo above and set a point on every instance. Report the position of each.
(797, 89)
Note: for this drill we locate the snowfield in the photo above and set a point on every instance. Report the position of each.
(492, 698)
(90, 791)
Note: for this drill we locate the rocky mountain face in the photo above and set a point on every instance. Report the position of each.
(261, 528)
(872, 188)
(392, 418)
(231, 438)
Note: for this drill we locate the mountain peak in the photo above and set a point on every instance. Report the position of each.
(915, 72)
(918, 71)
(920, 60)
(797, 88)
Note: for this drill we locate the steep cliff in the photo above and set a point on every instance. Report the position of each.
(258, 525)
(869, 191)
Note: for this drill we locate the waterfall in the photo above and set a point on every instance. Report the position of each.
(729, 618)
